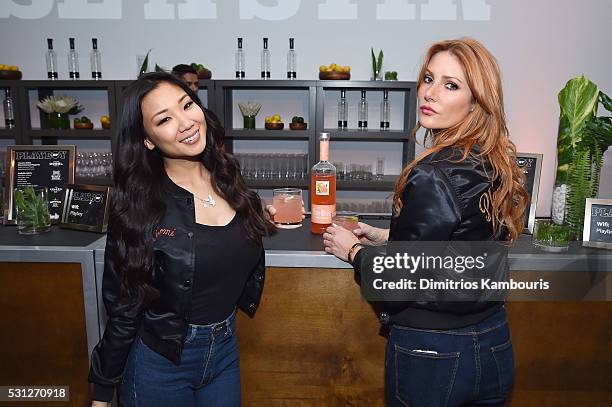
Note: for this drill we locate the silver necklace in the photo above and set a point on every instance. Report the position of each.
(206, 202)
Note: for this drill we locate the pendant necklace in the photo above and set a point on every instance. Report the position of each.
(206, 202)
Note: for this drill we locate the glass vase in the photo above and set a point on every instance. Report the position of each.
(59, 121)
(559, 203)
(249, 122)
(550, 237)
(32, 205)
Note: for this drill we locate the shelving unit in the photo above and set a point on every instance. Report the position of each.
(16, 133)
(408, 89)
(220, 99)
(47, 88)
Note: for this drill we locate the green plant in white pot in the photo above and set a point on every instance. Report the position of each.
(583, 137)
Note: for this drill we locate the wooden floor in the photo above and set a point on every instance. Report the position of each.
(315, 342)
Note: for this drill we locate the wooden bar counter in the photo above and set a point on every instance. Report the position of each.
(314, 340)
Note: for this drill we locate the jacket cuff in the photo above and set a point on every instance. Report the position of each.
(357, 261)
(102, 393)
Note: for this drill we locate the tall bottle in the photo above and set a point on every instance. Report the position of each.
(342, 111)
(385, 111)
(51, 58)
(322, 189)
(240, 61)
(95, 59)
(291, 61)
(73, 61)
(363, 112)
(9, 109)
(265, 60)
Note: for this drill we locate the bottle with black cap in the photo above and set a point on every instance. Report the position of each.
(291, 61)
(385, 111)
(73, 61)
(265, 60)
(342, 111)
(96, 60)
(9, 109)
(363, 112)
(240, 61)
(51, 58)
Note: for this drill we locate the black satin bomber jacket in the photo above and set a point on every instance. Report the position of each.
(443, 200)
(163, 324)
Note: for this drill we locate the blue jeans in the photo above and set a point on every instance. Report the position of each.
(469, 366)
(208, 375)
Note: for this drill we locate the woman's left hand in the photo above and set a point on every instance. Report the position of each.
(272, 211)
(338, 241)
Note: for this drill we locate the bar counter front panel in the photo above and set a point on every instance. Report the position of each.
(314, 340)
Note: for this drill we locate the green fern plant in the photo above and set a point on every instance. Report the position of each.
(583, 137)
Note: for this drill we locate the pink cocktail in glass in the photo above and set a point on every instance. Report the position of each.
(288, 205)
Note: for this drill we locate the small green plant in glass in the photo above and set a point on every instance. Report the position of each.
(32, 210)
(549, 236)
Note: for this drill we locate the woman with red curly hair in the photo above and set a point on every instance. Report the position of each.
(445, 353)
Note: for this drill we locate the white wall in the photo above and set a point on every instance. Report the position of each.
(540, 44)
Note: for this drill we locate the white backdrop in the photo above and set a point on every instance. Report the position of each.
(540, 44)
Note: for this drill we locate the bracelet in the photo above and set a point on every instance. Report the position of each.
(351, 250)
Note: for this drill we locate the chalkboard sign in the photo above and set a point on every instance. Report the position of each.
(597, 231)
(86, 207)
(531, 165)
(44, 166)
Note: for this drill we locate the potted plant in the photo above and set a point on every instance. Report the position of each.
(583, 137)
(377, 65)
(32, 210)
(58, 108)
(550, 237)
(249, 110)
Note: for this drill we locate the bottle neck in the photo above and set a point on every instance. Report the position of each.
(324, 150)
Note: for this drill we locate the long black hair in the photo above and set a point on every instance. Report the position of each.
(137, 200)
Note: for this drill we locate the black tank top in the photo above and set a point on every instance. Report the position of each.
(224, 260)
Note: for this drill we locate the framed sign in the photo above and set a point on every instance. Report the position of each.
(44, 166)
(531, 165)
(597, 231)
(86, 207)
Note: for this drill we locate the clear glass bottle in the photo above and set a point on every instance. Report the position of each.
(265, 60)
(95, 58)
(385, 111)
(240, 61)
(342, 111)
(9, 109)
(51, 58)
(363, 112)
(291, 61)
(73, 61)
(322, 189)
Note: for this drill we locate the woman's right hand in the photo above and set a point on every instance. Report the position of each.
(371, 236)
(95, 403)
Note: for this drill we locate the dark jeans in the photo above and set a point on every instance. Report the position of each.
(208, 375)
(470, 366)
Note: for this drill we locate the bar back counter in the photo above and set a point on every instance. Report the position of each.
(314, 340)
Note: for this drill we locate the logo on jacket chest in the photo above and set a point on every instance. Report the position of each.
(486, 204)
(169, 232)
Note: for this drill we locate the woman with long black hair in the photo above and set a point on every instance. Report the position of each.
(183, 251)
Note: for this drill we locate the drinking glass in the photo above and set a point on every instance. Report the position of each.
(380, 168)
(32, 204)
(347, 219)
(288, 205)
